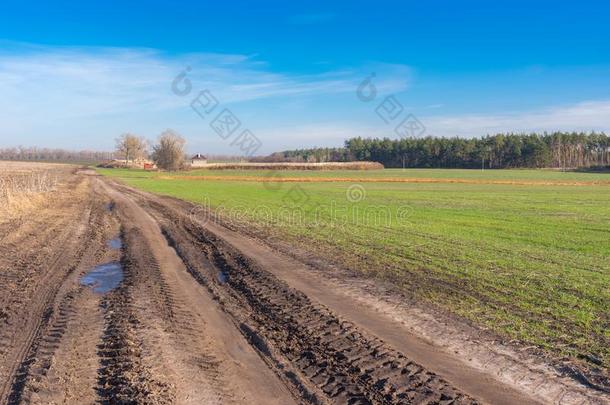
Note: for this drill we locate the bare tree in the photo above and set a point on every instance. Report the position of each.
(131, 147)
(168, 154)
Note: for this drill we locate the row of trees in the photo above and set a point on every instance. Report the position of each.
(554, 150)
(53, 155)
(168, 153)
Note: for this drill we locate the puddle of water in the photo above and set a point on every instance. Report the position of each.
(115, 244)
(223, 277)
(104, 277)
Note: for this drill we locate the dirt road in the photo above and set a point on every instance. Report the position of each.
(178, 310)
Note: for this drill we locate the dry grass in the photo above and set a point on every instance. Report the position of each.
(24, 186)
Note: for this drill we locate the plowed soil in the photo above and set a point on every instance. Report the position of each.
(202, 315)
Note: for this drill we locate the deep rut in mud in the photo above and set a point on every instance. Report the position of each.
(323, 357)
(123, 378)
(156, 347)
(40, 296)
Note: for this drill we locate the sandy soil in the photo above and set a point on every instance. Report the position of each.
(204, 314)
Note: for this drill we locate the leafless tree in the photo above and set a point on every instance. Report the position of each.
(131, 147)
(168, 154)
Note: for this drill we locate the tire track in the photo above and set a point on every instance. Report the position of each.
(159, 300)
(331, 358)
(152, 341)
(203, 355)
(42, 310)
(40, 314)
(57, 303)
(123, 378)
(32, 313)
(41, 353)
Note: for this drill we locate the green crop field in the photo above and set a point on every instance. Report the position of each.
(529, 261)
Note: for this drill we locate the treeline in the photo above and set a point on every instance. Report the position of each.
(555, 150)
(53, 155)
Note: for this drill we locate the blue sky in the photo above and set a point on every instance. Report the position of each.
(78, 74)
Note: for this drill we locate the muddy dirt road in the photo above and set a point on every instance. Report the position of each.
(112, 295)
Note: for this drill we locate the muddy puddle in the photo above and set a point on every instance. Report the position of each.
(115, 243)
(103, 278)
(223, 277)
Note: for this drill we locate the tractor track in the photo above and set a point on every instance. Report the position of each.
(123, 375)
(34, 328)
(159, 345)
(330, 359)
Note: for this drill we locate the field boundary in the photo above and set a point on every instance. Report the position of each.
(277, 179)
(364, 165)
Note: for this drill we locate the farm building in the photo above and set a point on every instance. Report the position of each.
(199, 160)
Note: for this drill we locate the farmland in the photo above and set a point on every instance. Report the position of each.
(527, 260)
(377, 287)
(112, 295)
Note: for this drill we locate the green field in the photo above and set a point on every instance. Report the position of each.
(528, 261)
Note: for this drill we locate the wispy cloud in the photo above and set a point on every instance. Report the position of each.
(39, 82)
(50, 95)
(583, 116)
(327, 134)
(85, 96)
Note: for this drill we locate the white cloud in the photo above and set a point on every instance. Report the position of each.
(58, 83)
(51, 96)
(83, 97)
(584, 116)
(320, 135)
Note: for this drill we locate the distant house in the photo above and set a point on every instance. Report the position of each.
(199, 160)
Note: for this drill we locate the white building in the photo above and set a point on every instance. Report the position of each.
(199, 160)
